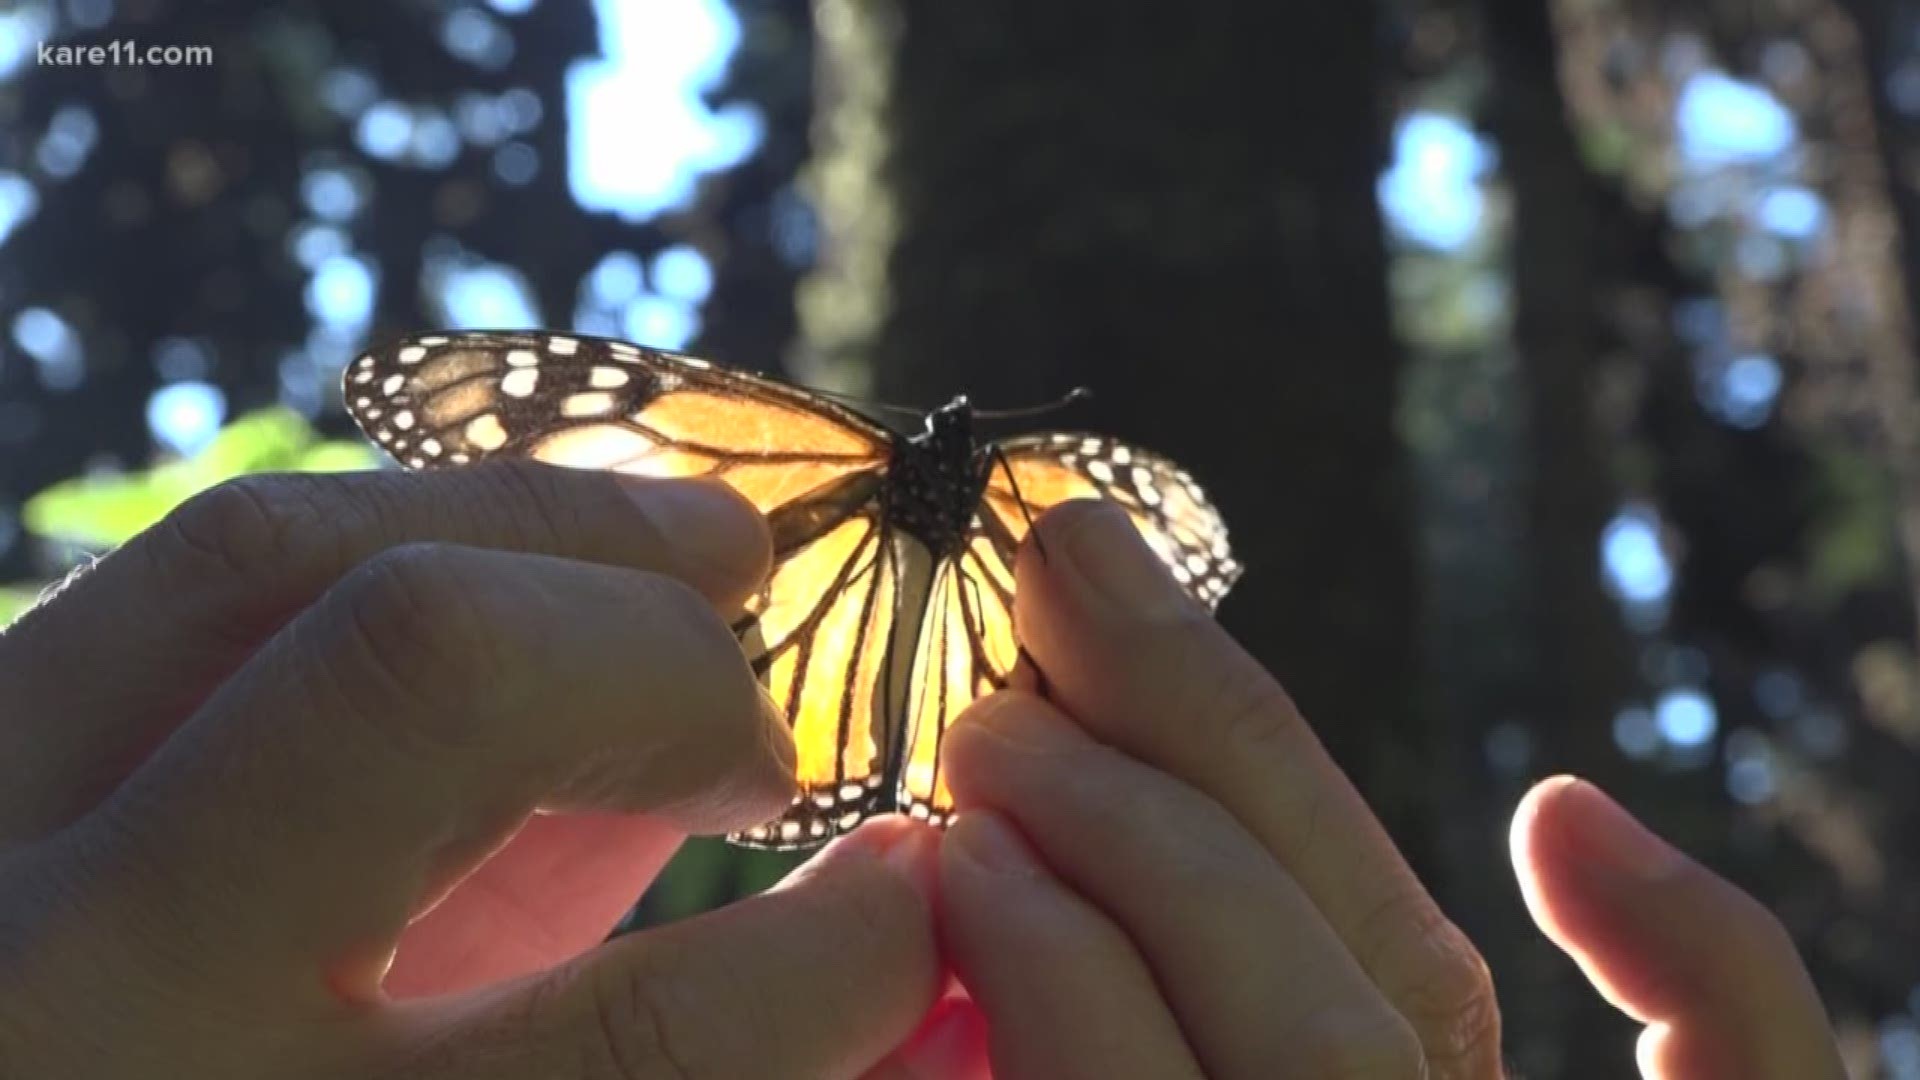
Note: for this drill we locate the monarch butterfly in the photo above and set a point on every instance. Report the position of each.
(889, 606)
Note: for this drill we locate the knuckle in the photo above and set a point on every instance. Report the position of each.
(643, 1030)
(533, 501)
(245, 528)
(1444, 988)
(419, 644)
(1749, 930)
(1256, 715)
(1348, 1043)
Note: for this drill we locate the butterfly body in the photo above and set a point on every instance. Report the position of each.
(935, 479)
(890, 605)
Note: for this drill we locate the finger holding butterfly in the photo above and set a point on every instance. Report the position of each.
(244, 885)
(1198, 942)
(91, 690)
(1143, 670)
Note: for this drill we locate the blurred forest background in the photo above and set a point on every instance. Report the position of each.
(1553, 360)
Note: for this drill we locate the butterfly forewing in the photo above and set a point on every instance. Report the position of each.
(450, 399)
(816, 632)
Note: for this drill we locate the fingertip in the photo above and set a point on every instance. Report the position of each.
(905, 848)
(982, 842)
(1525, 831)
(719, 540)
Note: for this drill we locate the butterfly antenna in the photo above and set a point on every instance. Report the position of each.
(1071, 397)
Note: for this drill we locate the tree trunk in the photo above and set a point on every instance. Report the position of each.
(1582, 671)
(1173, 206)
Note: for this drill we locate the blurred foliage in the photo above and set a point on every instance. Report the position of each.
(96, 512)
(13, 601)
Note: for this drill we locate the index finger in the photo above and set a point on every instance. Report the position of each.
(1145, 669)
(389, 738)
(90, 691)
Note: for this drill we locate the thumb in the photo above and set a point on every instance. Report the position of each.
(819, 977)
(1668, 942)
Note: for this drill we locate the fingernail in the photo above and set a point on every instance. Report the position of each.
(899, 843)
(991, 844)
(706, 522)
(1618, 842)
(1113, 558)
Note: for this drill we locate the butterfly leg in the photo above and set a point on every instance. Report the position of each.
(1013, 482)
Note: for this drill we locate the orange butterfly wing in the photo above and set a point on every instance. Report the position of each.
(817, 633)
(967, 647)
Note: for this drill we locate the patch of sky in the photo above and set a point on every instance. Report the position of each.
(1431, 193)
(312, 243)
(348, 91)
(19, 200)
(1686, 717)
(332, 193)
(341, 293)
(185, 416)
(1635, 565)
(484, 296)
(476, 37)
(71, 135)
(23, 27)
(682, 273)
(53, 345)
(641, 135)
(1750, 775)
(1725, 121)
(1741, 391)
(616, 278)
(1791, 212)
(659, 322)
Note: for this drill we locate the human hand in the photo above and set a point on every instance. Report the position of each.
(247, 750)
(1161, 873)
(1710, 971)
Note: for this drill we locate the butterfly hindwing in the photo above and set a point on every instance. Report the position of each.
(966, 650)
(1171, 511)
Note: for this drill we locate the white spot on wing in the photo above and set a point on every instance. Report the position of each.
(520, 382)
(486, 432)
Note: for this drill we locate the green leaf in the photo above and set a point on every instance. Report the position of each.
(103, 511)
(14, 600)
